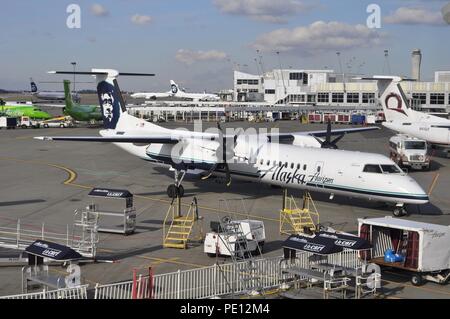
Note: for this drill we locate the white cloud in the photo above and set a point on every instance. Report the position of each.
(190, 57)
(141, 19)
(99, 10)
(406, 15)
(273, 11)
(318, 37)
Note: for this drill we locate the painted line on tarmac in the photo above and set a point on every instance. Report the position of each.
(73, 176)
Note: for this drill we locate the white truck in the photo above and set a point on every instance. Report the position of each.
(221, 241)
(409, 151)
(26, 122)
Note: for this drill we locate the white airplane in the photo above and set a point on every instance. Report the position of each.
(151, 95)
(402, 118)
(196, 97)
(50, 95)
(312, 163)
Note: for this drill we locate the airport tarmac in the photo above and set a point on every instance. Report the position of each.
(46, 181)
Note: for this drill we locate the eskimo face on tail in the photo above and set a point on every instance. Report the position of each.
(109, 104)
(174, 87)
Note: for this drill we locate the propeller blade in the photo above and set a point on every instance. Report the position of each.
(337, 139)
(328, 136)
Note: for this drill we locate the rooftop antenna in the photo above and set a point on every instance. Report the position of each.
(386, 65)
(257, 67)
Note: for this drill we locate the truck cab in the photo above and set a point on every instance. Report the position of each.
(409, 152)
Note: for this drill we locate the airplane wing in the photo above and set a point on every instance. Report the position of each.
(321, 133)
(113, 139)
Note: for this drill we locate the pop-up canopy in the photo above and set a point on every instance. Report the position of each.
(110, 193)
(346, 241)
(46, 249)
(314, 244)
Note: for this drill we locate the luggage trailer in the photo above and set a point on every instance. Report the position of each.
(425, 247)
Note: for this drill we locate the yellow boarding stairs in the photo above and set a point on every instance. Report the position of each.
(178, 228)
(294, 220)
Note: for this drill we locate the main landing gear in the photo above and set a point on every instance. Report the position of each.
(176, 190)
(399, 211)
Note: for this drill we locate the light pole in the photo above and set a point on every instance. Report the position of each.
(74, 65)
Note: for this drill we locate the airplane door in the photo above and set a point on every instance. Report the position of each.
(318, 171)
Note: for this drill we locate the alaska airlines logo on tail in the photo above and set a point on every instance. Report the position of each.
(393, 102)
(174, 89)
(33, 87)
(107, 103)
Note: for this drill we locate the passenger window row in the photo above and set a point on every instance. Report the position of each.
(285, 164)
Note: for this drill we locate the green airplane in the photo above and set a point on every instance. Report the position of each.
(83, 113)
(24, 110)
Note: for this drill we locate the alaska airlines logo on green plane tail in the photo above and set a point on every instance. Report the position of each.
(283, 175)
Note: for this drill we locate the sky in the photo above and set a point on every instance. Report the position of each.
(198, 43)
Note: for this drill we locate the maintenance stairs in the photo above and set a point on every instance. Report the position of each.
(178, 229)
(245, 272)
(294, 220)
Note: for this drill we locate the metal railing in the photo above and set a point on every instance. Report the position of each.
(65, 293)
(221, 280)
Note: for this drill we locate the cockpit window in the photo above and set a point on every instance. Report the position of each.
(415, 145)
(369, 168)
(390, 169)
(379, 169)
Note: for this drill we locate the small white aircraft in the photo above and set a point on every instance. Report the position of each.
(402, 118)
(196, 97)
(312, 163)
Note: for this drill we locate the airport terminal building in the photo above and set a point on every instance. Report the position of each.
(326, 89)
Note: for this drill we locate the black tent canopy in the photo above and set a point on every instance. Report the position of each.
(314, 244)
(110, 193)
(346, 241)
(325, 243)
(46, 249)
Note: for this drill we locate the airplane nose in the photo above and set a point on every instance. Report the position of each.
(419, 192)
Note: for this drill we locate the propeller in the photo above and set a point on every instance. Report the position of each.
(328, 143)
(222, 150)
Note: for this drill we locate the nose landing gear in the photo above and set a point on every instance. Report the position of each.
(176, 190)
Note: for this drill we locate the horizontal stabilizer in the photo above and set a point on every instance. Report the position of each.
(99, 73)
(113, 139)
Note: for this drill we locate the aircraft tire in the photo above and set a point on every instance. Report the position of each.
(172, 191)
(181, 190)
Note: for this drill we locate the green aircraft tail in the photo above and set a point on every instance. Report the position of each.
(68, 96)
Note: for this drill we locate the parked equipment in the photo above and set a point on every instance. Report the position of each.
(27, 122)
(424, 247)
(122, 222)
(409, 151)
(227, 238)
(8, 122)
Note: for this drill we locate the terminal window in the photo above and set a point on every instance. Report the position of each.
(368, 98)
(337, 97)
(419, 98)
(437, 98)
(323, 98)
(352, 97)
(299, 76)
(270, 91)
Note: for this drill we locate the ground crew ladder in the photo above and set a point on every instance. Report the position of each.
(294, 220)
(178, 228)
(249, 276)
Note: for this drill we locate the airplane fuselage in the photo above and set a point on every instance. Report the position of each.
(323, 170)
(436, 133)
